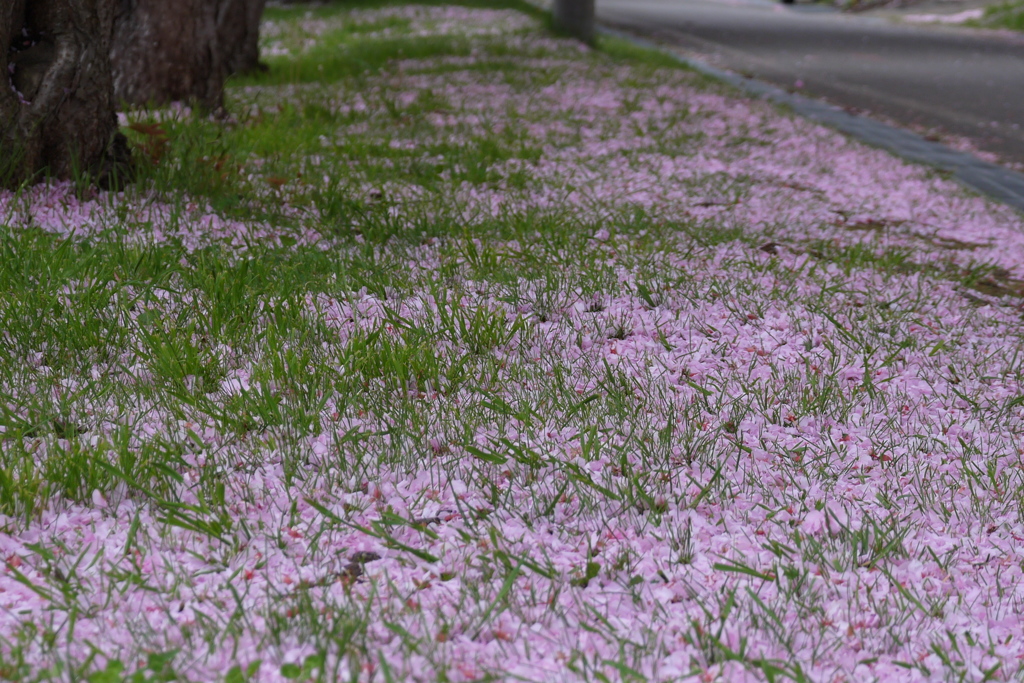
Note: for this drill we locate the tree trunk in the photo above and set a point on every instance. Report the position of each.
(575, 17)
(183, 50)
(239, 34)
(57, 113)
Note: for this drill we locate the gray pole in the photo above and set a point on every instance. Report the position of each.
(575, 17)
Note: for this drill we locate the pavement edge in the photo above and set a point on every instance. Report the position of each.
(992, 180)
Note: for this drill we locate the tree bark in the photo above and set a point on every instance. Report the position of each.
(183, 50)
(57, 113)
(575, 17)
(239, 33)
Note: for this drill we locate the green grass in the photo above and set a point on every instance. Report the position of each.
(287, 13)
(430, 327)
(230, 166)
(627, 51)
(1004, 15)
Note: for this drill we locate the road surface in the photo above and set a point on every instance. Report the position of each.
(953, 80)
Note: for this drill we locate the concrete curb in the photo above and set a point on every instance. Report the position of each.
(999, 183)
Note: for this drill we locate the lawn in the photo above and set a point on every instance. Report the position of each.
(1003, 15)
(464, 352)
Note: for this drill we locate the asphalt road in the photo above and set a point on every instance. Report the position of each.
(967, 83)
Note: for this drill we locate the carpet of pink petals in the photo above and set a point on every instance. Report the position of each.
(58, 208)
(839, 497)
